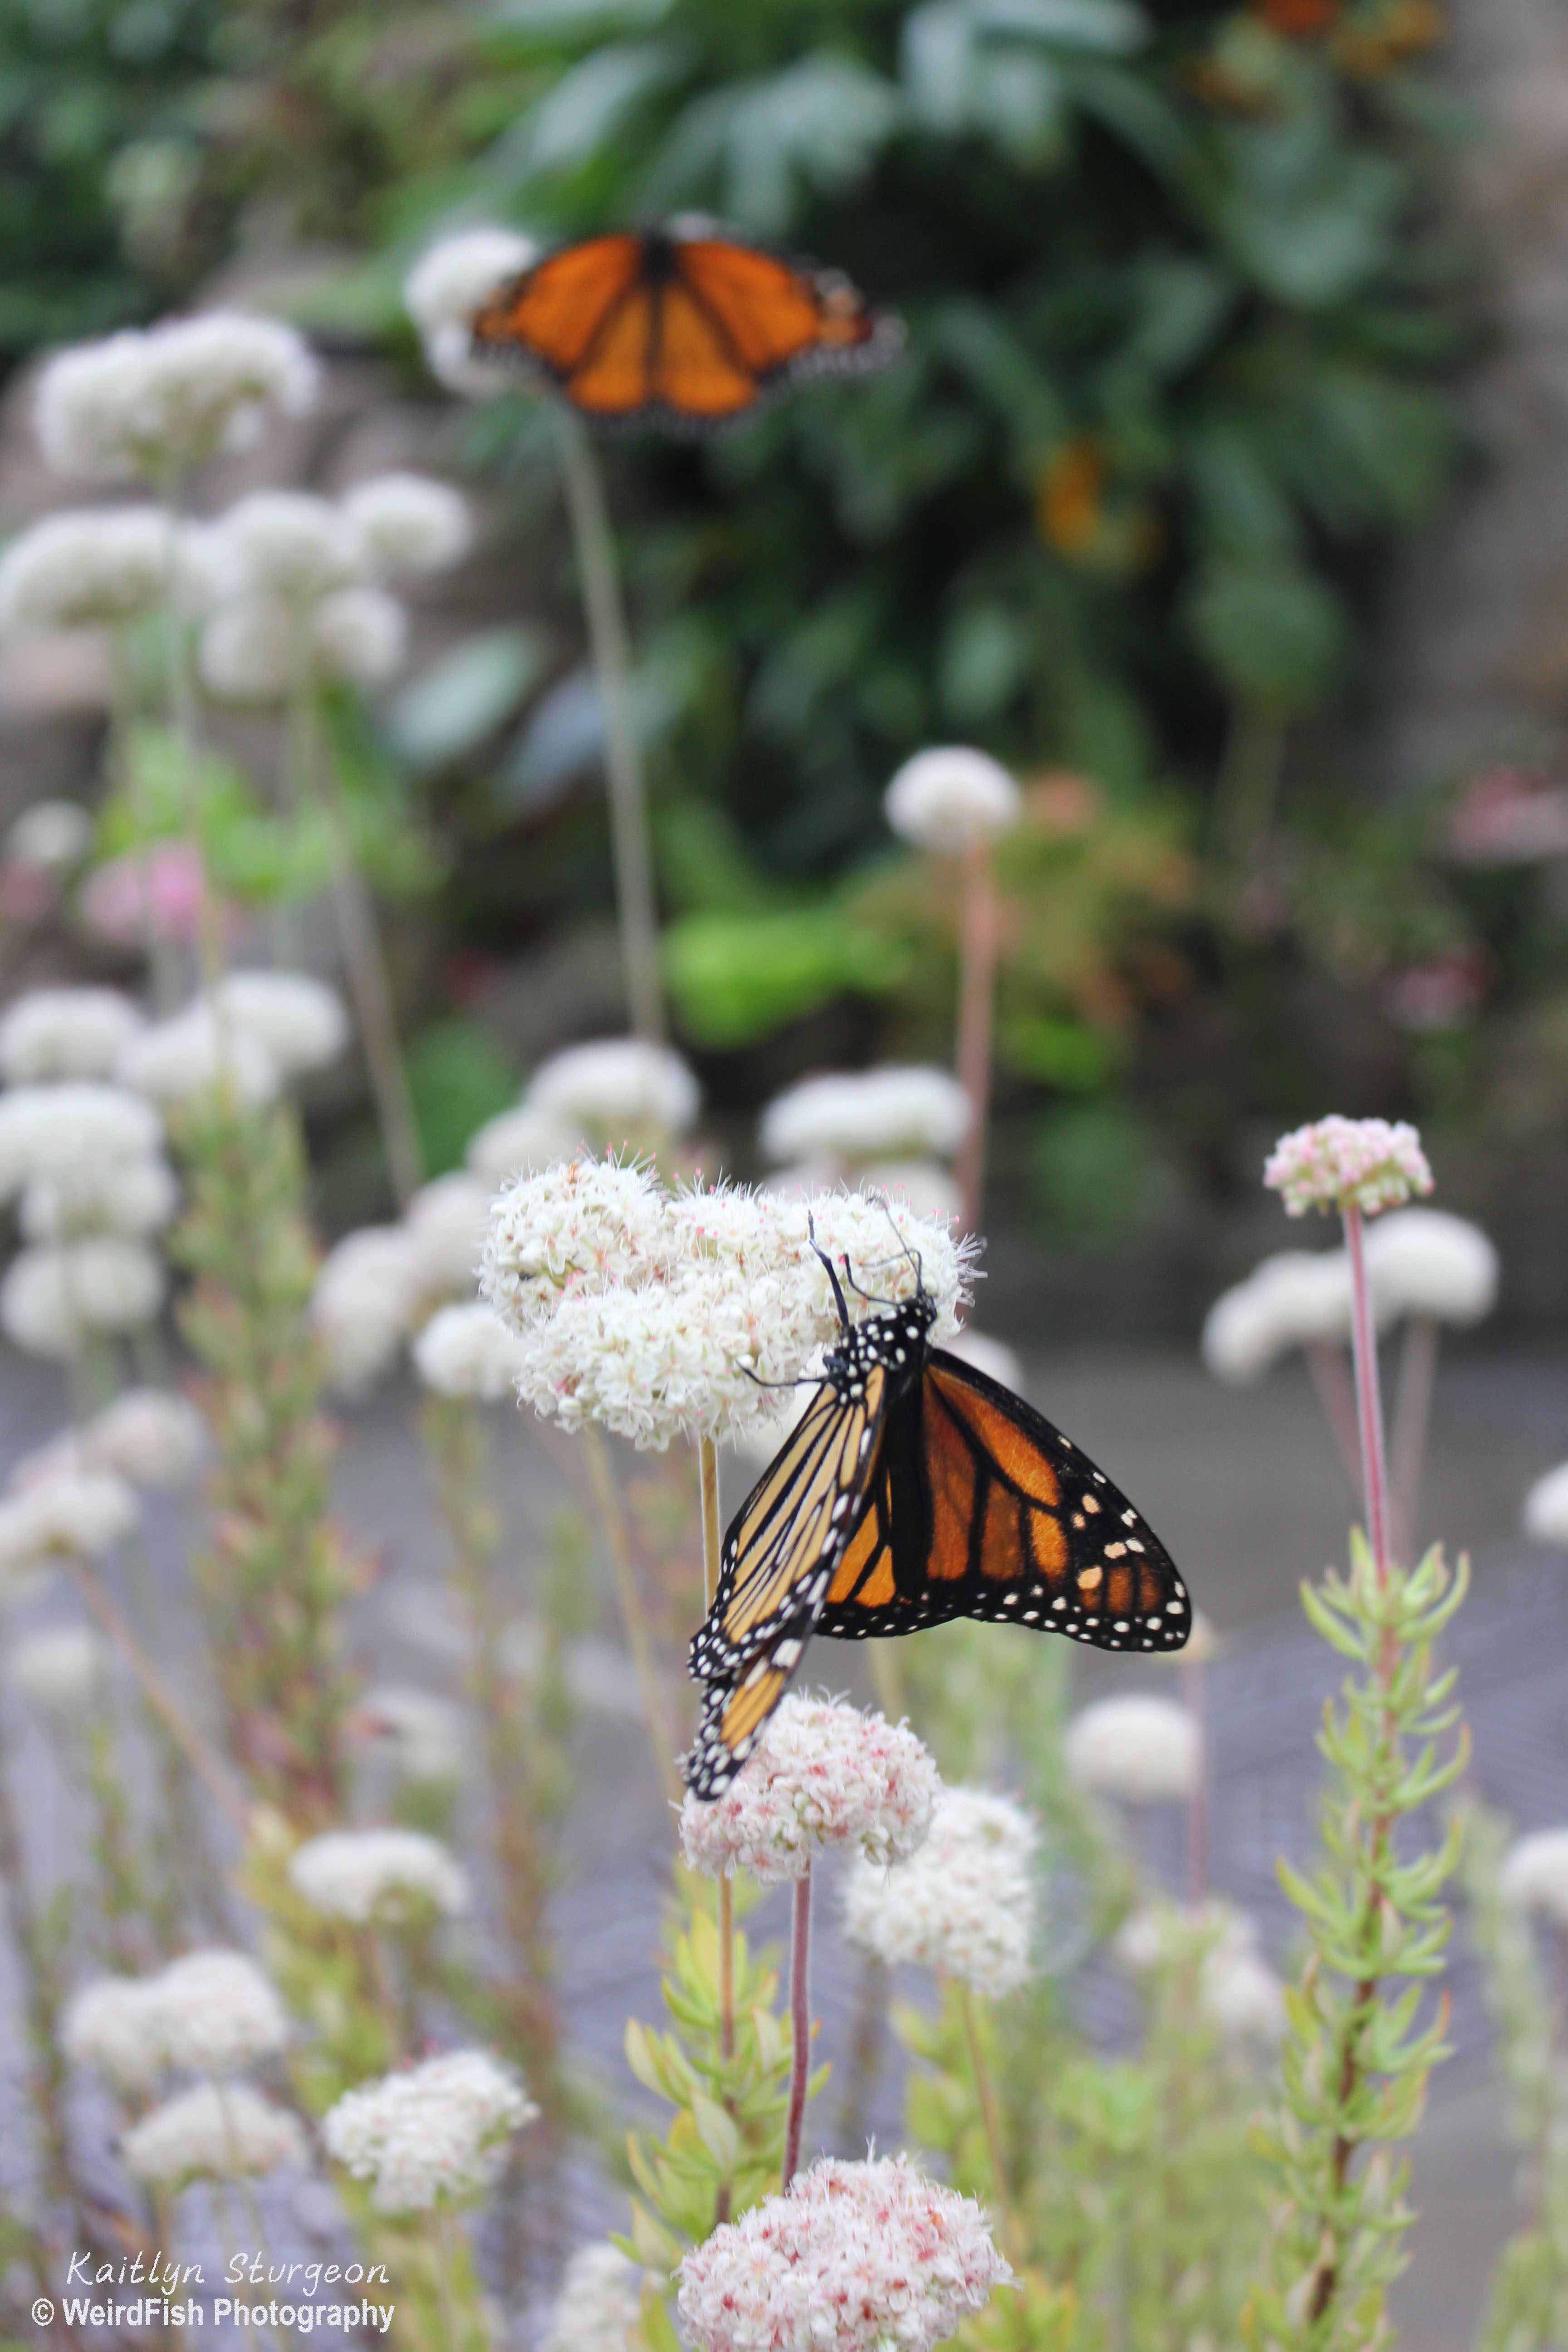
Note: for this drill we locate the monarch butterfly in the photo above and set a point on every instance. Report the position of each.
(679, 326)
(915, 1489)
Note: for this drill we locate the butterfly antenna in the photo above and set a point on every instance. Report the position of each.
(913, 1256)
(842, 1302)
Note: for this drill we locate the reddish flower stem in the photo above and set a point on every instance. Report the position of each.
(799, 2022)
(1369, 1400)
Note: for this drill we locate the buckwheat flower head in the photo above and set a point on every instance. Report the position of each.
(598, 2305)
(862, 1114)
(1535, 1876)
(148, 1435)
(429, 2133)
(51, 1130)
(407, 523)
(468, 1351)
(851, 2258)
(822, 1775)
(254, 650)
(109, 2026)
(360, 635)
(142, 405)
(445, 288)
(365, 1304)
(214, 2131)
(445, 1222)
(617, 1089)
(1426, 1262)
(1545, 1514)
(1243, 1999)
(963, 1904)
(300, 1023)
(58, 1667)
(583, 1225)
(1144, 1750)
(218, 2013)
(85, 571)
(74, 1515)
(178, 1060)
(293, 545)
(422, 1734)
(519, 1142)
(1293, 1299)
(64, 1033)
(1337, 1163)
(386, 1875)
(119, 1196)
(950, 797)
(50, 837)
(54, 1294)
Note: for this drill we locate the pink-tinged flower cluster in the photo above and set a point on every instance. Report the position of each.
(1344, 1164)
(823, 1775)
(851, 2256)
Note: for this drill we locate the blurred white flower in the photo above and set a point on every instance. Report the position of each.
(617, 1089)
(147, 404)
(1535, 1876)
(1243, 1999)
(148, 1435)
(52, 1132)
(924, 1185)
(85, 571)
(949, 797)
(519, 1142)
(1143, 1751)
(388, 1876)
(422, 1734)
(468, 1351)
(218, 2013)
(109, 2026)
(993, 1356)
(54, 1294)
(215, 2131)
(254, 650)
(176, 1060)
(365, 1298)
(1546, 1507)
(75, 1514)
(50, 837)
(407, 523)
(1370, 1163)
(429, 2133)
(1237, 1991)
(851, 2258)
(57, 1666)
(120, 1196)
(962, 1905)
(598, 2305)
(445, 289)
(1426, 1262)
(64, 1033)
(852, 1116)
(293, 545)
(359, 634)
(823, 1774)
(300, 1023)
(1294, 1299)
(445, 1222)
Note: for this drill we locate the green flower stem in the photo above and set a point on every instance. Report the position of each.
(634, 1618)
(441, 2220)
(800, 2021)
(991, 2124)
(631, 848)
(213, 1775)
(180, 687)
(976, 1014)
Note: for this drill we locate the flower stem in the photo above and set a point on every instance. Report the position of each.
(444, 2282)
(1412, 1418)
(213, 1776)
(1336, 1393)
(634, 1618)
(990, 2123)
(800, 2022)
(708, 1474)
(976, 1007)
(1369, 1398)
(631, 849)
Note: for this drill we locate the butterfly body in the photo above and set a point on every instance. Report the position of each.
(915, 1490)
(682, 328)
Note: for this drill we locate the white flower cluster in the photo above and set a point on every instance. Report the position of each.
(659, 1314)
(388, 1876)
(963, 1905)
(885, 1130)
(59, 1666)
(422, 1734)
(214, 2131)
(86, 1159)
(431, 2132)
(96, 568)
(1238, 1992)
(257, 1031)
(598, 2305)
(53, 1033)
(1369, 1164)
(147, 1435)
(150, 405)
(1143, 1751)
(210, 2012)
(444, 290)
(1535, 1876)
(468, 1351)
(948, 798)
(53, 1297)
(48, 839)
(824, 1774)
(386, 1285)
(69, 1515)
(857, 2257)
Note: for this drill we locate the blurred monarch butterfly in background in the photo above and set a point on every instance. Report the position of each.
(912, 1490)
(679, 327)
